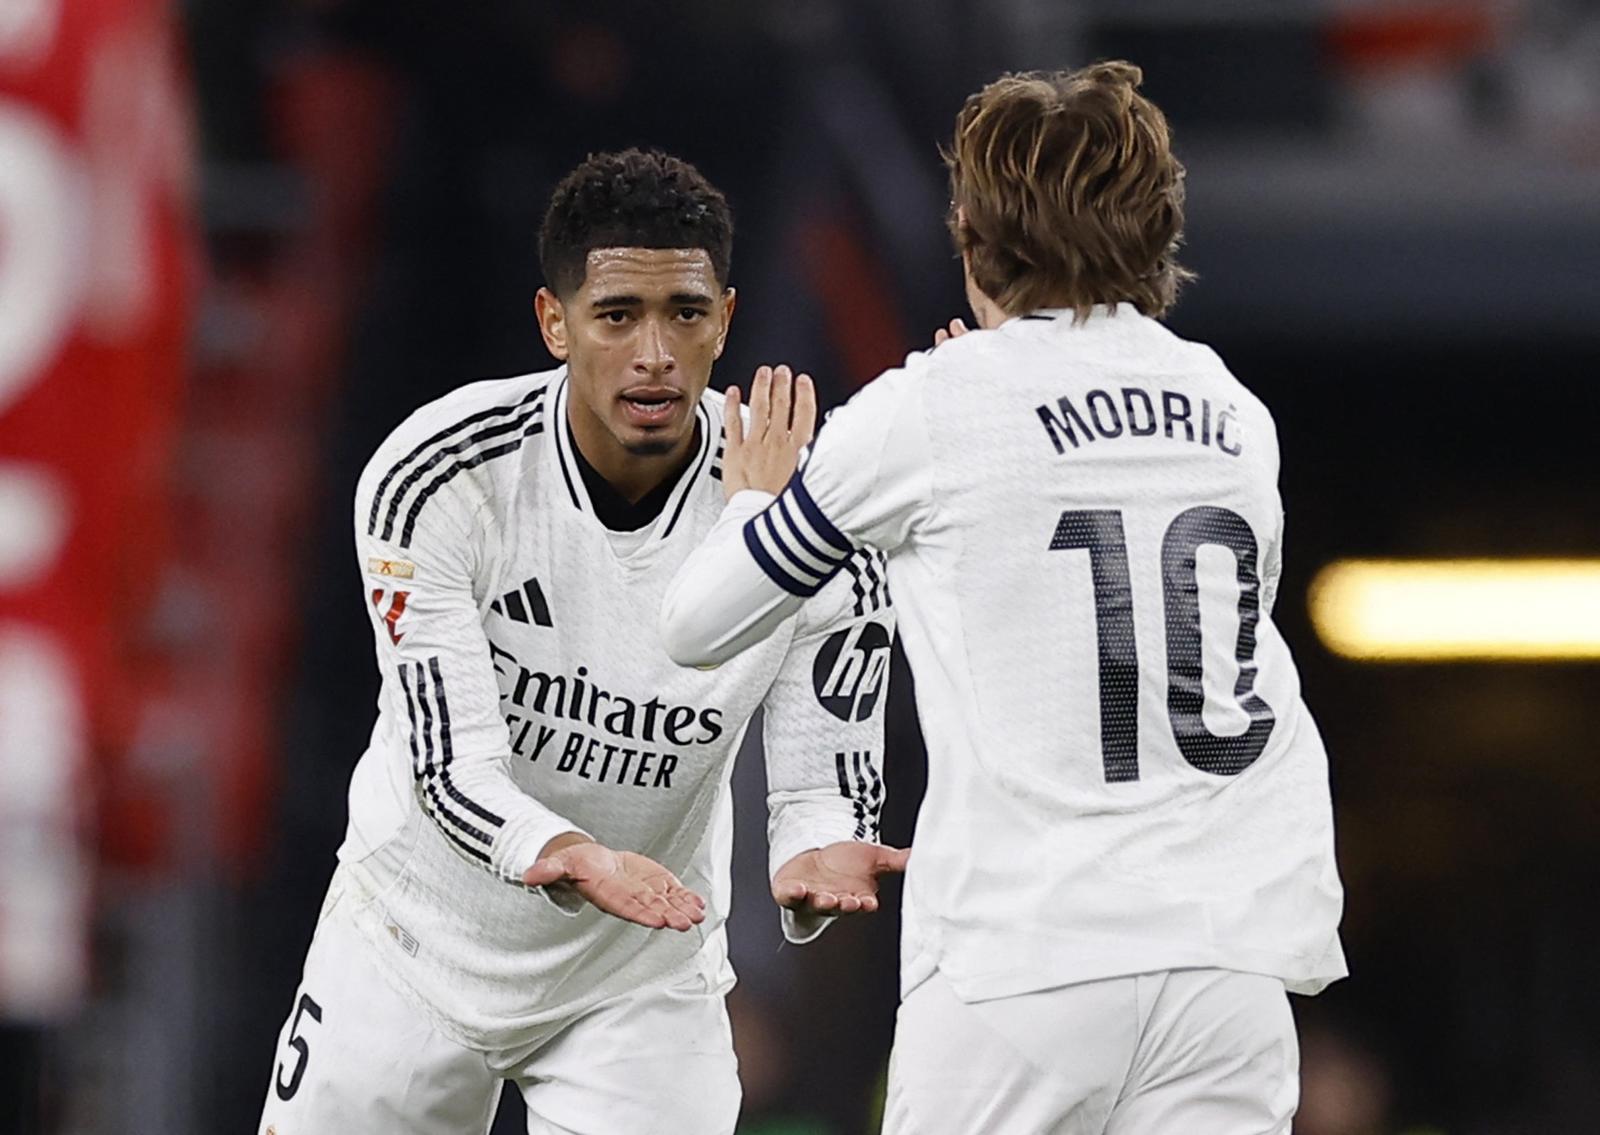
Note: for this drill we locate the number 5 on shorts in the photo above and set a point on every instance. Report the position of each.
(310, 1008)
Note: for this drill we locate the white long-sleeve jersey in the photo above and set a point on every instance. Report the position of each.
(1083, 532)
(525, 694)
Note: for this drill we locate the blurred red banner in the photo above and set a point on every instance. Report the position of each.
(96, 281)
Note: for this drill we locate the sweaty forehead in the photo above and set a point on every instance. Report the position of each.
(638, 270)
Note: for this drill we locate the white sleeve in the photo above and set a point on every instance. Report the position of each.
(1272, 568)
(868, 481)
(435, 660)
(1272, 557)
(823, 731)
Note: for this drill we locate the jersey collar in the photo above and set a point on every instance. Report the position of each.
(1097, 313)
(572, 489)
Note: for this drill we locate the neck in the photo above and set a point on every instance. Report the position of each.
(985, 312)
(988, 315)
(632, 475)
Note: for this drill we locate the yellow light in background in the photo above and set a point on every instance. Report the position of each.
(1399, 610)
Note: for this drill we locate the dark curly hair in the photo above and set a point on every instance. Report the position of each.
(633, 199)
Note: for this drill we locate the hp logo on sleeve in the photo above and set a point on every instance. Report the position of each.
(852, 670)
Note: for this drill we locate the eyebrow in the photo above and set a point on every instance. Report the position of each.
(676, 299)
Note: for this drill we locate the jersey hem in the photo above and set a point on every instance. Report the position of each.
(973, 980)
(367, 915)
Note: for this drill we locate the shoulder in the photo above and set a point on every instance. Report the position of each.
(980, 350)
(456, 433)
(878, 405)
(464, 413)
(965, 366)
(872, 455)
(1205, 360)
(969, 349)
(1238, 401)
(920, 367)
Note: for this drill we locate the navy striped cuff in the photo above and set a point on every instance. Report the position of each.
(795, 544)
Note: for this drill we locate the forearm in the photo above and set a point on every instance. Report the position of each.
(486, 816)
(459, 768)
(721, 602)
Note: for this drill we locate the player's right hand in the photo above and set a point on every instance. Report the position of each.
(841, 878)
(631, 887)
(954, 330)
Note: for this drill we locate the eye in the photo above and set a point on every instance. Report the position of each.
(615, 318)
(691, 314)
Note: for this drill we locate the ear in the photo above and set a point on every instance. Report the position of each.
(552, 316)
(730, 300)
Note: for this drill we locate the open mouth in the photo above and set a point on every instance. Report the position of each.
(651, 406)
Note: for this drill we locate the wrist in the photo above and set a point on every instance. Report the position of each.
(749, 501)
(793, 858)
(562, 842)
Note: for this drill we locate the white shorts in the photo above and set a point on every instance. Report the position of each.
(1196, 1052)
(357, 1058)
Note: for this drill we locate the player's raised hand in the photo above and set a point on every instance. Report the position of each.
(841, 878)
(954, 330)
(631, 887)
(783, 419)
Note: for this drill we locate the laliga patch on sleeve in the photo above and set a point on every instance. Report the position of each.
(398, 569)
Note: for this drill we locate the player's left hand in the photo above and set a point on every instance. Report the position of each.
(953, 330)
(783, 419)
(626, 885)
(841, 878)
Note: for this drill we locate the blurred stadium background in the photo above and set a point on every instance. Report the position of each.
(240, 239)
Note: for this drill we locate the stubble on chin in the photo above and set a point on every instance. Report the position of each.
(650, 447)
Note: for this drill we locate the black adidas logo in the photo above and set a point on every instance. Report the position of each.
(532, 610)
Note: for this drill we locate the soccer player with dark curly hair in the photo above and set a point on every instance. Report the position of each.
(536, 871)
(1125, 855)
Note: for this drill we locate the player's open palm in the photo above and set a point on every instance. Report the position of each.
(841, 878)
(629, 886)
(783, 419)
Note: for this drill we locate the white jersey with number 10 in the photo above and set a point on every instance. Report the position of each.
(1084, 530)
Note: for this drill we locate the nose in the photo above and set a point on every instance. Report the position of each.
(654, 355)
